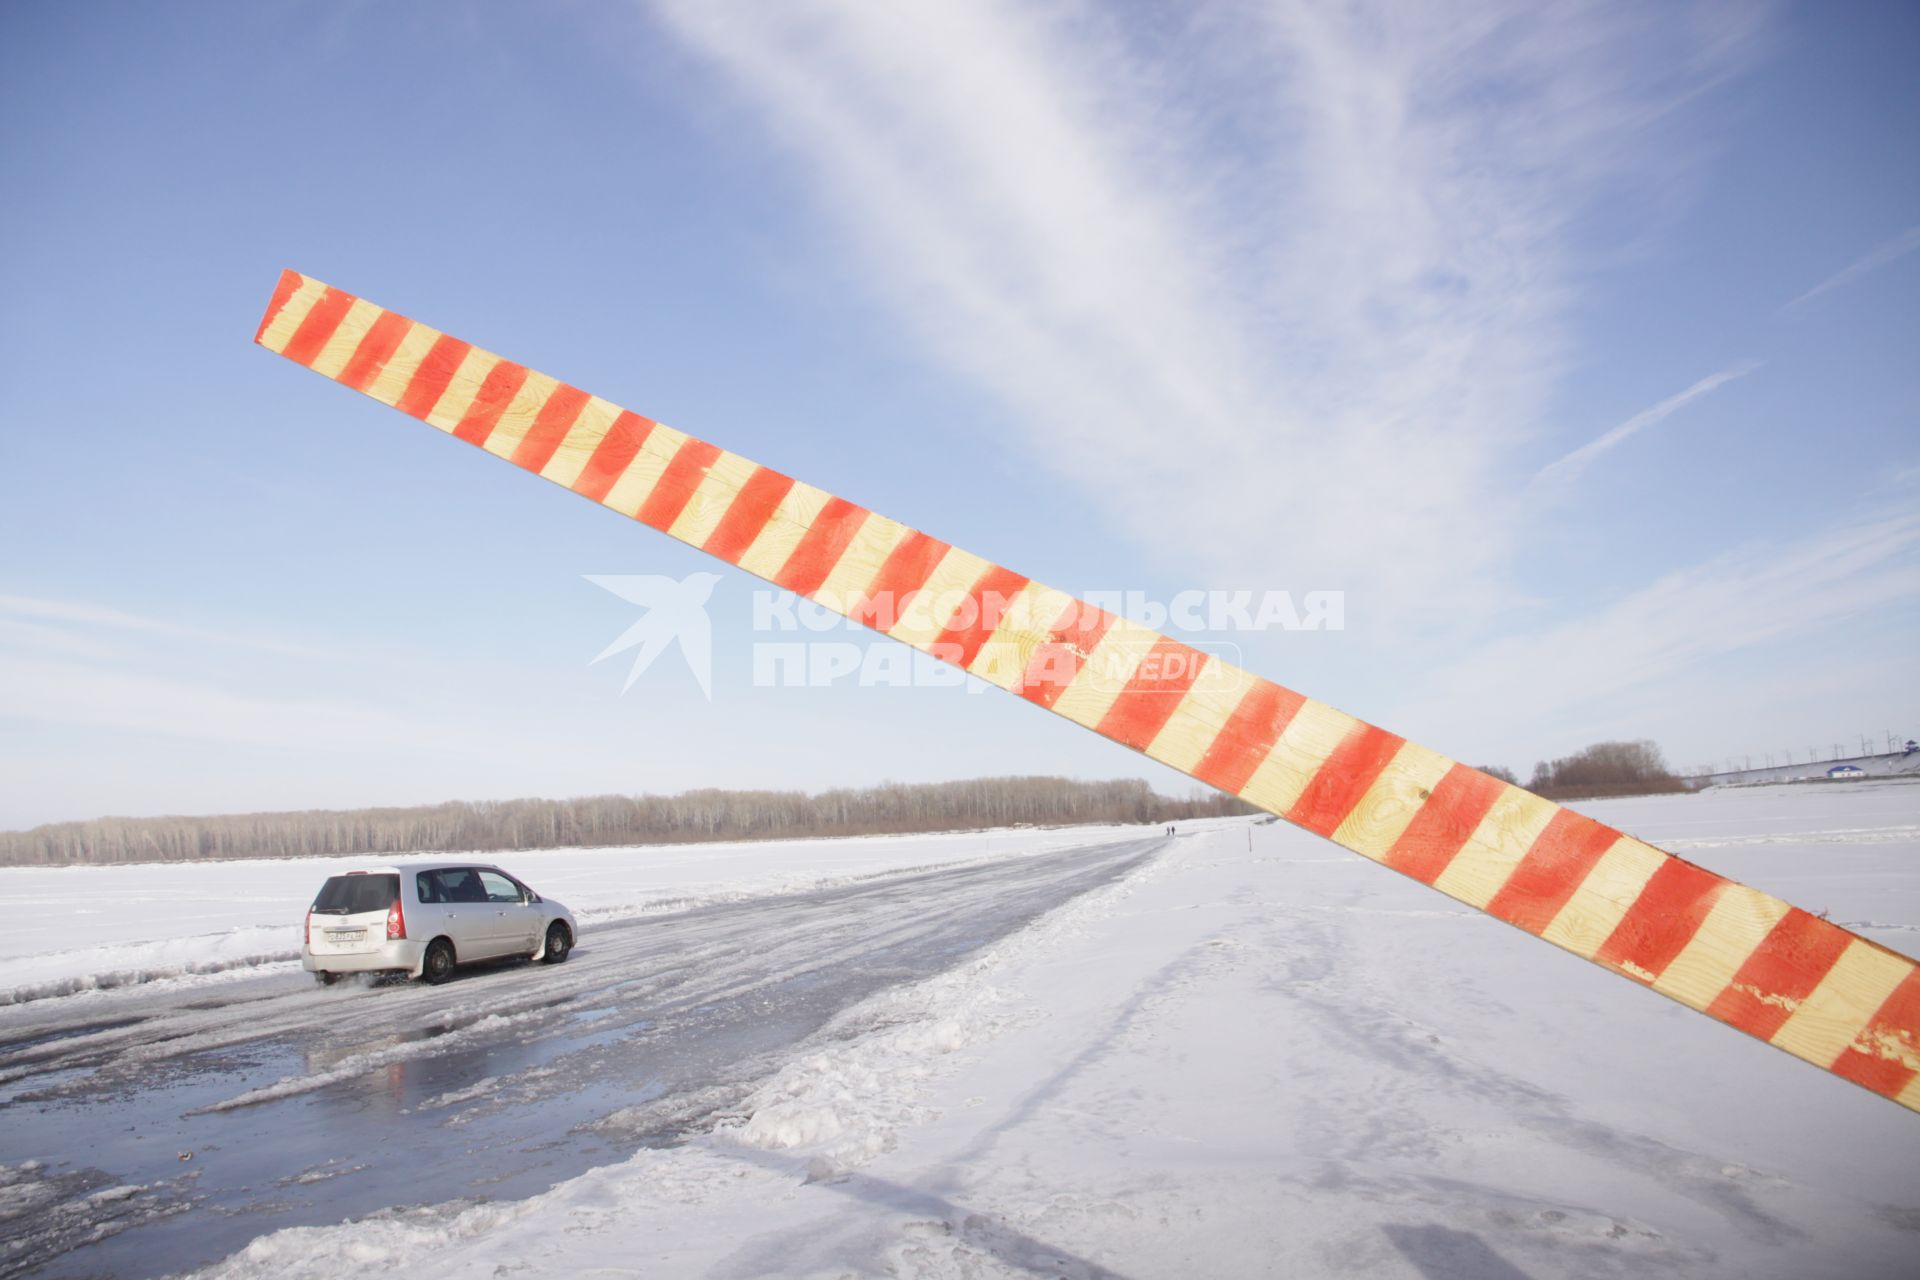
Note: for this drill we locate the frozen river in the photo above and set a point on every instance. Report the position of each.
(247, 1105)
(1093, 1053)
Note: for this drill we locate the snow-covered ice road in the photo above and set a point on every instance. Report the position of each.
(1259, 1056)
(164, 1130)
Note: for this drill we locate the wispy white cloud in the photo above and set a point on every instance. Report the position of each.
(1278, 284)
(99, 696)
(19, 634)
(1286, 285)
(1731, 603)
(1563, 470)
(45, 621)
(1882, 256)
(80, 663)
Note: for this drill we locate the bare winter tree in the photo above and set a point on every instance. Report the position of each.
(1606, 769)
(486, 825)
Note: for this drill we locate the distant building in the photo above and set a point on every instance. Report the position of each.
(1846, 771)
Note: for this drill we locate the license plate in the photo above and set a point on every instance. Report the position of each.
(346, 935)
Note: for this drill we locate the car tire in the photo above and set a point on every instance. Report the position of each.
(437, 965)
(326, 979)
(559, 944)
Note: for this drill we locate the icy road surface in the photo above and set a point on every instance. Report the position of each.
(1257, 1055)
(148, 1131)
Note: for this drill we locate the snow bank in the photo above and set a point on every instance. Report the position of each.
(838, 1105)
(67, 931)
(252, 948)
(1264, 1061)
(844, 1102)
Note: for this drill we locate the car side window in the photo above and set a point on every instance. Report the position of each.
(499, 888)
(454, 885)
(427, 887)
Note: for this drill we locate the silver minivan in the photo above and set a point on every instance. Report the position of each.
(424, 919)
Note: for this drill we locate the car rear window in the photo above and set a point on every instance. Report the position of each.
(352, 895)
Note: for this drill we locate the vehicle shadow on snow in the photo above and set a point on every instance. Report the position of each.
(467, 971)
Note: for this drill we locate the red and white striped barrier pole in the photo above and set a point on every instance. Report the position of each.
(1750, 960)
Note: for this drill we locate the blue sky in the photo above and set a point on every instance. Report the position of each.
(1574, 343)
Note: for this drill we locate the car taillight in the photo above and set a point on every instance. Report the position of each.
(309, 938)
(396, 921)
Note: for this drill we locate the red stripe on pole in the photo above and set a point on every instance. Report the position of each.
(1441, 827)
(1243, 742)
(821, 547)
(905, 570)
(1339, 783)
(1165, 673)
(1879, 1057)
(1793, 970)
(675, 487)
(1784, 969)
(550, 427)
(975, 618)
(1552, 869)
(1661, 921)
(289, 281)
(612, 456)
(1075, 634)
(431, 378)
(319, 324)
(748, 514)
(376, 348)
(497, 390)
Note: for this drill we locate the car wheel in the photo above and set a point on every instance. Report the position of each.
(559, 942)
(324, 978)
(437, 967)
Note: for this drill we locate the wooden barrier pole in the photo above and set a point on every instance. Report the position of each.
(1794, 980)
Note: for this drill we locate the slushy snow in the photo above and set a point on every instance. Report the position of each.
(1257, 1055)
(1268, 1060)
(68, 930)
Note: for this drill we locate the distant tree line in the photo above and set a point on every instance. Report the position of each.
(1603, 769)
(489, 825)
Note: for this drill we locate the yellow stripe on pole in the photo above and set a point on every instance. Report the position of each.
(1809, 987)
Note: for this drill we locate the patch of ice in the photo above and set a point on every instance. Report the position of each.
(454, 1097)
(360, 1063)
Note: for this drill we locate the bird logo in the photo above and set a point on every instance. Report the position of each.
(675, 611)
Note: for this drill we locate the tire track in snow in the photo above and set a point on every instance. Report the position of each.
(272, 1083)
